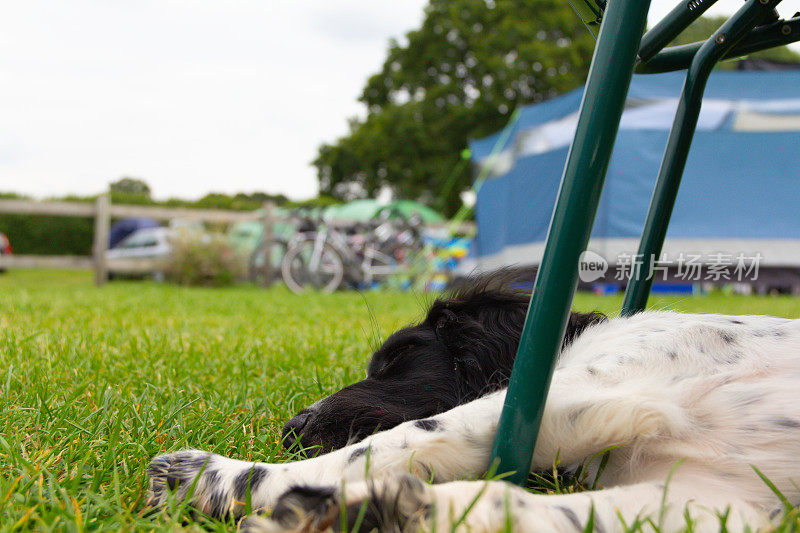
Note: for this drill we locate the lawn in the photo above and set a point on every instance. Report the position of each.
(96, 381)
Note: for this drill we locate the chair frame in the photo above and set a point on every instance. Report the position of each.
(622, 47)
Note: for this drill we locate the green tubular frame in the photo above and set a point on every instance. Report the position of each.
(680, 57)
(679, 143)
(621, 46)
(601, 111)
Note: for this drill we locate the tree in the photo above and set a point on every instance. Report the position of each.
(704, 27)
(130, 186)
(459, 76)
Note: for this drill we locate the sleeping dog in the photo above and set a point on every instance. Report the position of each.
(675, 417)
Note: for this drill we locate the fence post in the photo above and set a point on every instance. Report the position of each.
(101, 229)
(268, 239)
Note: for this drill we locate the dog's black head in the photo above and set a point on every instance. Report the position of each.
(464, 348)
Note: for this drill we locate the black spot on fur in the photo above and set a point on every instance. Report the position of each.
(358, 452)
(212, 478)
(577, 413)
(571, 516)
(779, 333)
(730, 358)
(305, 500)
(735, 321)
(591, 370)
(726, 337)
(672, 354)
(251, 478)
(787, 422)
(775, 513)
(428, 424)
(219, 504)
(398, 507)
(473, 440)
(173, 482)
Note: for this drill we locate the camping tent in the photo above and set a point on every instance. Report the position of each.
(740, 192)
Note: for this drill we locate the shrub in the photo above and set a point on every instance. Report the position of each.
(204, 259)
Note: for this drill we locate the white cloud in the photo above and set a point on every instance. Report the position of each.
(191, 96)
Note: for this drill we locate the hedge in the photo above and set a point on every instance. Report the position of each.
(48, 235)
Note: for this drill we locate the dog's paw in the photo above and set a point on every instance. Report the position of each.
(175, 473)
(207, 482)
(392, 505)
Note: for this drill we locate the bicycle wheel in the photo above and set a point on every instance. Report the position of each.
(300, 269)
(273, 253)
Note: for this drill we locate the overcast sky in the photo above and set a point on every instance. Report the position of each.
(193, 96)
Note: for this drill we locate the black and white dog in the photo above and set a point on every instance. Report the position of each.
(684, 405)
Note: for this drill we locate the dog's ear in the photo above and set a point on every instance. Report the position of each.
(578, 322)
(482, 352)
(445, 323)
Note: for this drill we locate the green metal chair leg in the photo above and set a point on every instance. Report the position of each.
(603, 102)
(680, 141)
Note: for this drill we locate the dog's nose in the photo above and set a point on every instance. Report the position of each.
(294, 427)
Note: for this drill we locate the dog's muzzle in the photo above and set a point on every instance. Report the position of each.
(294, 428)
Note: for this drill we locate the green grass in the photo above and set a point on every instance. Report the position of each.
(94, 382)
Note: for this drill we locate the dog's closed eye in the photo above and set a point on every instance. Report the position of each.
(391, 361)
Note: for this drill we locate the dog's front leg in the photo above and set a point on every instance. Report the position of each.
(406, 504)
(453, 445)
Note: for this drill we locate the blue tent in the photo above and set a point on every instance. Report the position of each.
(740, 192)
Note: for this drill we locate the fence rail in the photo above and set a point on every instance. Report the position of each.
(86, 209)
(76, 262)
(60, 262)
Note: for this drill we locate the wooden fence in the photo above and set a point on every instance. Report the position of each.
(102, 211)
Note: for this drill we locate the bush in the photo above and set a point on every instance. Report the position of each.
(203, 259)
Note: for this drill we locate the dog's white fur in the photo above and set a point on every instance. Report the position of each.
(687, 405)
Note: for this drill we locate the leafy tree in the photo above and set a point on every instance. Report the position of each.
(240, 201)
(702, 28)
(459, 76)
(132, 186)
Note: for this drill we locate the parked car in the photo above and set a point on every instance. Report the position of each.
(128, 226)
(146, 243)
(5, 248)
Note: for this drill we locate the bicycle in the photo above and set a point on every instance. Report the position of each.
(264, 263)
(359, 255)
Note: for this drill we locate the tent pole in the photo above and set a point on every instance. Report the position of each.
(603, 102)
(680, 141)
